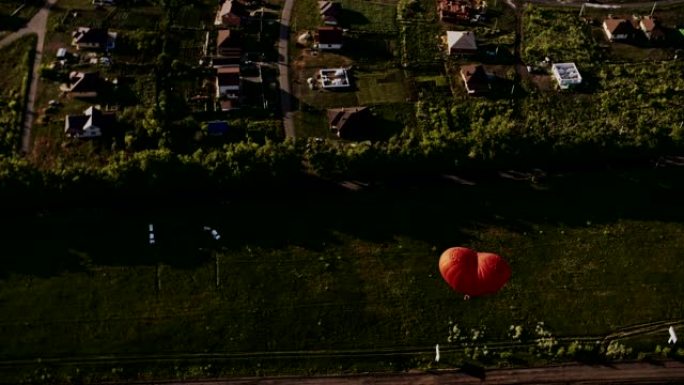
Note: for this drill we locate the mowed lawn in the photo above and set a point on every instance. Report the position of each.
(388, 87)
(360, 15)
(370, 16)
(342, 271)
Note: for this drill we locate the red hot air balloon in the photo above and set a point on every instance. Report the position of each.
(473, 273)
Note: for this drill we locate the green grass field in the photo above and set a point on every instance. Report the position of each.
(542, 37)
(370, 16)
(16, 62)
(336, 272)
(14, 65)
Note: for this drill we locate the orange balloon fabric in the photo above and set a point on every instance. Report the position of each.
(473, 273)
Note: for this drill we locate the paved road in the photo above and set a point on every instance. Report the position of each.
(640, 4)
(37, 25)
(626, 373)
(284, 70)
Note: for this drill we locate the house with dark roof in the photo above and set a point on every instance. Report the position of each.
(475, 79)
(618, 29)
(652, 28)
(229, 43)
(93, 38)
(228, 82)
(349, 122)
(91, 124)
(461, 43)
(329, 11)
(225, 61)
(329, 37)
(454, 11)
(232, 13)
(82, 84)
(227, 104)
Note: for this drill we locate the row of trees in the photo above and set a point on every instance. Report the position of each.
(156, 173)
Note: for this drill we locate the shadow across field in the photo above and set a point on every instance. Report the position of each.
(313, 214)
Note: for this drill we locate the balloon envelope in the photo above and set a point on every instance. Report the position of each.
(473, 273)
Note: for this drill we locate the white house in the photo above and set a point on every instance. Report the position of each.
(93, 38)
(566, 74)
(89, 125)
(333, 78)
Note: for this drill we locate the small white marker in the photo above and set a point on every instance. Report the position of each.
(437, 353)
(673, 336)
(151, 229)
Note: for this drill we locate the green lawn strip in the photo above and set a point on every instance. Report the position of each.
(312, 123)
(437, 80)
(387, 87)
(16, 67)
(305, 16)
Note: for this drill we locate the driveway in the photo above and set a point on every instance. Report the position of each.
(37, 25)
(284, 69)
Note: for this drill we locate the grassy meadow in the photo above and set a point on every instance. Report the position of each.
(15, 65)
(333, 281)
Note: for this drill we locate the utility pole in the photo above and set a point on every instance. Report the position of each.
(216, 236)
(157, 271)
(218, 276)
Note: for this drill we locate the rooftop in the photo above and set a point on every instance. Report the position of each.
(333, 77)
(329, 35)
(566, 71)
(461, 40)
(618, 26)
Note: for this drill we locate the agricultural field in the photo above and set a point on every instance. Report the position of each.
(355, 275)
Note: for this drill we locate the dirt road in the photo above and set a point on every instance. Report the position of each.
(37, 25)
(669, 372)
(572, 4)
